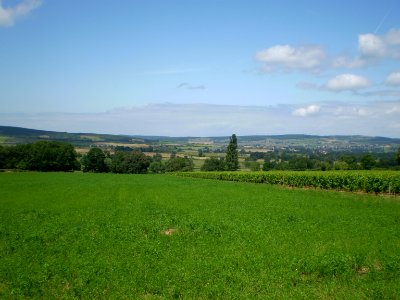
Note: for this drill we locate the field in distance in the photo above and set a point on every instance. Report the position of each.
(160, 236)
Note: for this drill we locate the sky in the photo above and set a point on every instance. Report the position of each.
(201, 67)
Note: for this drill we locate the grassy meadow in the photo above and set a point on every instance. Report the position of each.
(77, 235)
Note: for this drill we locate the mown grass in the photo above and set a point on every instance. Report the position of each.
(156, 236)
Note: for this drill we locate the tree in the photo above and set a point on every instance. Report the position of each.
(268, 165)
(94, 161)
(398, 156)
(136, 163)
(157, 167)
(52, 156)
(213, 164)
(351, 161)
(157, 157)
(367, 162)
(18, 157)
(117, 162)
(254, 166)
(40, 156)
(232, 156)
(179, 164)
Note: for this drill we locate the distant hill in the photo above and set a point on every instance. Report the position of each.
(18, 135)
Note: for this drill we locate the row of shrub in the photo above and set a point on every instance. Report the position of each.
(365, 181)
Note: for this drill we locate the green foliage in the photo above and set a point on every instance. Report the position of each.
(254, 166)
(136, 163)
(40, 156)
(111, 236)
(365, 181)
(3, 157)
(157, 167)
(129, 162)
(368, 162)
(267, 165)
(179, 164)
(398, 156)
(94, 161)
(232, 156)
(300, 164)
(157, 157)
(213, 164)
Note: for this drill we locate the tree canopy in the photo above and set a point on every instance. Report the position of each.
(213, 164)
(40, 156)
(232, 156)
(179, 164)
(94, 161)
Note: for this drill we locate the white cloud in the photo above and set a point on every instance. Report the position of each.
(371, 45)
(370, 118)
(342, 61)
(8, 15)
(392, 37)
(393, 79)
(309, 110)
(371, 48)
(287, 57)
(374, 47)
(345, 82)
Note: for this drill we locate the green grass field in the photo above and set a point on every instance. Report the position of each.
(159, 236)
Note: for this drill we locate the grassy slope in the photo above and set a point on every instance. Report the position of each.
(99, 235)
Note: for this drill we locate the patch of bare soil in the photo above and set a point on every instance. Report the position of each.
(378, 266)
(363, 271)
(169, 231)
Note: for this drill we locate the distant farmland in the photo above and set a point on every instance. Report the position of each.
(158, 236)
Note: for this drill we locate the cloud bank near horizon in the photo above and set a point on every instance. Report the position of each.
(327, 118)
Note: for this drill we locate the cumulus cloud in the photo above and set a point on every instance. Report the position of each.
(8, 15)
(393, 79)
(370, 118)
(347, 82)
(372, 46)
(286, 57)
(309, 110)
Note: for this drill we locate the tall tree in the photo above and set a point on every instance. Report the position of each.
(232, 156)
(94, 161)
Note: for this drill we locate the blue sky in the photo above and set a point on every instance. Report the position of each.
(198, 67)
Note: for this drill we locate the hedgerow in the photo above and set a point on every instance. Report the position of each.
(364, 181)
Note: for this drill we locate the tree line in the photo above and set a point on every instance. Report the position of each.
(281, 160)
(96, 160)
(61, 156)
(40, 156)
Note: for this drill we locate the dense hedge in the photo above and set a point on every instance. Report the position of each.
(366, 181)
